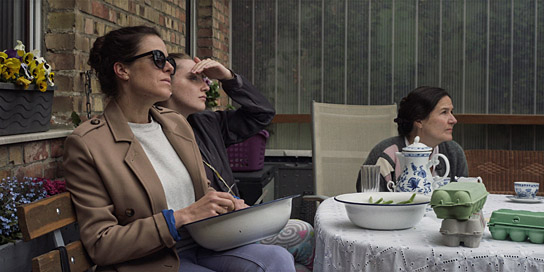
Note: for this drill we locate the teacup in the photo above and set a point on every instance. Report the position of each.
(526, 189)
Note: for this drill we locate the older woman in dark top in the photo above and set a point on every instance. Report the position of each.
(426, 112)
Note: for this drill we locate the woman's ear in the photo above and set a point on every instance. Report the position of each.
(418, 124)
(121, 70)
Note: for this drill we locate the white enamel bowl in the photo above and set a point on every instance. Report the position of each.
(242, 227)
(384, 216)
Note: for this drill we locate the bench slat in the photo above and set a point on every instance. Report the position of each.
(46, 215)
(50, 261)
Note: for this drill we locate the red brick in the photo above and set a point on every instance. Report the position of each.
(34, 170)
(60, 171)
(204, 22)
(35, 151)
(51, 170)
(4, 174)
(132, 7)
(161, 19)
(100, 10)
(112, 16)
(4, 156)
(204, 52)
(16, 154)
(57, 148)
(89, 26)
(204, 32)
(204, 42)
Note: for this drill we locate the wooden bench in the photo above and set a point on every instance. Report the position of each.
(499, 169)
(50, 215)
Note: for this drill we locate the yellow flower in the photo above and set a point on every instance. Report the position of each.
(20, 47)
(28, 57)
(13, 65)
(40, 75)
(35, 68)
(51, 79)
(42, 85)
(3, 57)
(26, 68)
(23, 81)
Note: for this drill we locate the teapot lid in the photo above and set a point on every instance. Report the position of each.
(417, 146)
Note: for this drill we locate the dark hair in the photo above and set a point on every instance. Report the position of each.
(115, 46)
(416, 106)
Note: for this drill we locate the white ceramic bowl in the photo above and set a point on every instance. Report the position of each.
(242, 227)
(384, 216)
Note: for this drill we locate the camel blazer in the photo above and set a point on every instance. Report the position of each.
(117, 194)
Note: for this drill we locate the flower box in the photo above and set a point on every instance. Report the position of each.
(24, 111)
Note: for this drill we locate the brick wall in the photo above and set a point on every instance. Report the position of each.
(32, 159)
(213, 30)
(213, 33)
(70, 28)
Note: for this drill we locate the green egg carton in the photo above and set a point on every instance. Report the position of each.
(519, 225)
(458, 200)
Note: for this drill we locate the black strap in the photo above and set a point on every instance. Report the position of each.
(64, 263)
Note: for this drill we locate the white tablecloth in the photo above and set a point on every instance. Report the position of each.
(342, 246)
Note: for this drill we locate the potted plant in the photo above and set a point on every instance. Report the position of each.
(26, 91)
(213, 95)
(16, 254)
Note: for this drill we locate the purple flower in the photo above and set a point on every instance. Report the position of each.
(208, 81)
(12, 53)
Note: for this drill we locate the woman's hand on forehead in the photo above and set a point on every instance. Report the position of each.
(211, 69)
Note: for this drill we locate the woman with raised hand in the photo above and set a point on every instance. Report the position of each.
(216, 130)
(426, 112)
(136, 176)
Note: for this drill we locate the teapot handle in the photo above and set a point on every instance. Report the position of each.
(390, 186)
(435, 162)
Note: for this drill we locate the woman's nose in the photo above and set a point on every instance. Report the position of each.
(205, 87)
(169, 68)
(453, 120)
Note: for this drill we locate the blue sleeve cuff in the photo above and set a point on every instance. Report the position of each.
(171, 222)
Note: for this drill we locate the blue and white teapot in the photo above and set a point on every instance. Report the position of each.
(415, 166)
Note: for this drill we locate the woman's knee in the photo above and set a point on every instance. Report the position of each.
(279, 259)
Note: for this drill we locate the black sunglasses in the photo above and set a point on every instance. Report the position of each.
(158, 58)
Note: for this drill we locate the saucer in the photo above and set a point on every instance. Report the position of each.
(525, 200)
